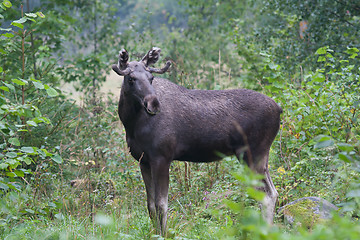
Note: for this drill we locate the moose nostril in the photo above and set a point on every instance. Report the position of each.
(156, 103)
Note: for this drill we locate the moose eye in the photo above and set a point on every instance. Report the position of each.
(131, 80)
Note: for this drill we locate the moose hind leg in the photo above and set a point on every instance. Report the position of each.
(270, 198)
(269, 202)
(259, 164)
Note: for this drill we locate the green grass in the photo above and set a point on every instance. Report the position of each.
(207, 203)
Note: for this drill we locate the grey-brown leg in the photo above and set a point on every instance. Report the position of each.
(270, 199)
(259, 164)
(269, 202)
(149, 186)
(160, 177)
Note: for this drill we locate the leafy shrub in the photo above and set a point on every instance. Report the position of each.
(21, 98)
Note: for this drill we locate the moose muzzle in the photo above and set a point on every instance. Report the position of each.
(151, 104)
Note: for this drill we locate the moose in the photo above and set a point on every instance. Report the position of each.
(165, 122)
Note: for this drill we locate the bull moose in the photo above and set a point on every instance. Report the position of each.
(165, 122)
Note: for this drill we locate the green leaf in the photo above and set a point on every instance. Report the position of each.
(27, 149)
(7, 3)
(236, 207)
(19, 82)
(19, 173)
(44, 153)
(353, 55)
(321, 59)
(31, 123)
(4, 88)
(3, 166)
(345, 147)
(328, 55)
(10, 86)
(11, 154)
(10, 174)
(38, 84)
(3, 125)
(6, 29)
(21, 20)
(273, 66)
(33, 15)
(12, 162)
(57, 158)
(40, 14)
(59, 216)
(26, 160)
(352, 50)
(14, 141)
(345, 157)
(30, 211)
(19, 25)
(323, 142)
(321, 50)
(318, 77)
(255, 194)
(9, 35)
(52, 92)
(4, 186)
(353, 193)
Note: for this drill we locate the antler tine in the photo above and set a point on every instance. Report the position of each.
(162, 70)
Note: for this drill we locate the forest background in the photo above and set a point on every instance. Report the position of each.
(65, 171)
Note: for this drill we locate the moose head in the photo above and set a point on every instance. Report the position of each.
(138, 78)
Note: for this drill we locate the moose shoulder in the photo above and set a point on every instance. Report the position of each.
(166, 122)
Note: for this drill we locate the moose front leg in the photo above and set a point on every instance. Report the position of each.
(149, 186)
(160, 177)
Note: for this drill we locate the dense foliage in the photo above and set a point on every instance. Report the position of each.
(65, 171)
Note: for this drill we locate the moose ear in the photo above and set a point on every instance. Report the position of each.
(151, 57)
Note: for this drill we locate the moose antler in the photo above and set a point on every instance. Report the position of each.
(162, 70)
(123, 59)
(151, 57)
(121, 67)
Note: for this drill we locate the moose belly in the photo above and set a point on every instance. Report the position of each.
(202, 153)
